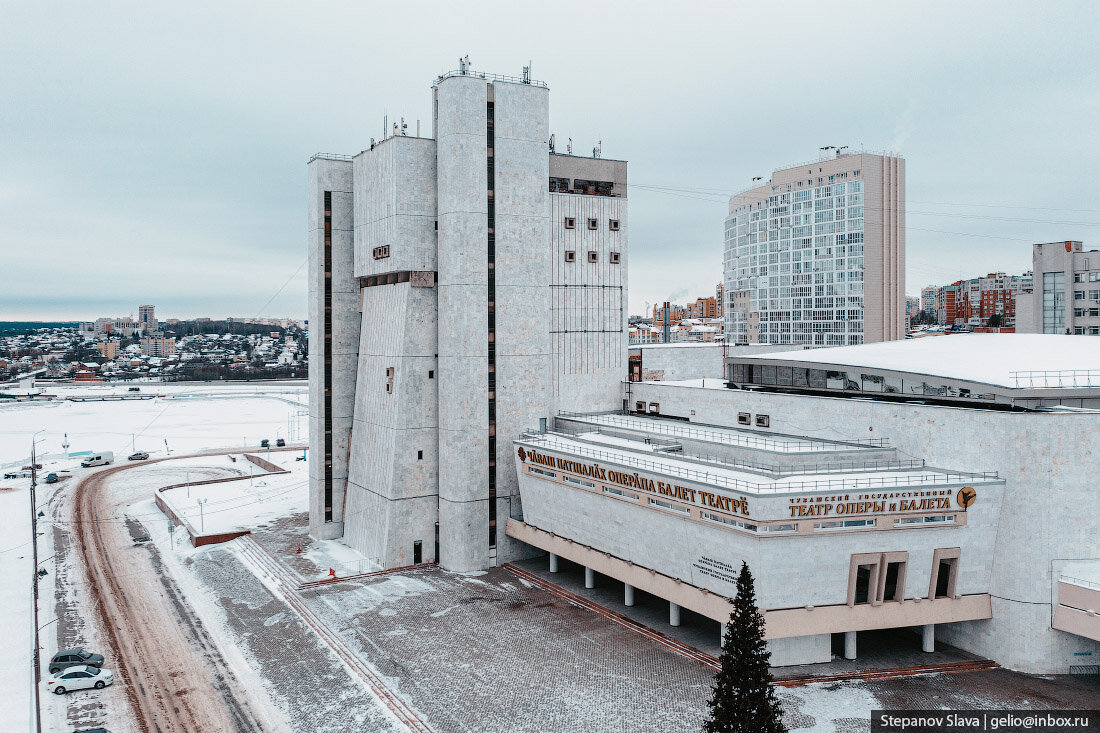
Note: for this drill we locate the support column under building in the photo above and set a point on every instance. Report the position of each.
(628, 594)
(928, 638)
(553, 563)
(673, 614)
(849, 644)
(589, 578)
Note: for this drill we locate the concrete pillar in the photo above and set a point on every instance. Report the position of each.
(849, 645)
(928, 638)
(721, 634)
(673, 614)
(589, 578)
(553, 563)
(628, 595)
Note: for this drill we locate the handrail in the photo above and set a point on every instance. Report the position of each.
(490, 77)
(330, 156)
(772, 468)
(1078, 581)
(731, 436)
(1078, 377)
(852, 484)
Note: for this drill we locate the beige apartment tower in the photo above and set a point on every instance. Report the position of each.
(816, 256)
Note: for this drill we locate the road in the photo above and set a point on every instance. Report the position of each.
(175, 677)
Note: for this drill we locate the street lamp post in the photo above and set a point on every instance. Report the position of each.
(34, 580)
(202, 522)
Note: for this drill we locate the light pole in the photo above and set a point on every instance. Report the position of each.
(188, 484)
(202, 522)
(34, 580)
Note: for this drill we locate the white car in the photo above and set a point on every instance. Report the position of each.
(79, 678)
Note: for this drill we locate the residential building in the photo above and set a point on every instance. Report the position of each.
(1066, 294)
(702, 308)
(676, 313)
(107, 349)
(817, 254)
(981, 302)
(462, 286)
(158, 346)
(147, 319)
(928, 298)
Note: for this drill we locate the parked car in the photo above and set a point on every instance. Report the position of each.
(79, 678)
(98, 459)
(36, 467)
(51, 478)
(280, 443)
(133, 389)
(17, 474)
(139, 456)
(265, 443)
(74, 657)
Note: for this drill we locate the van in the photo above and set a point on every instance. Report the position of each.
(98, 459)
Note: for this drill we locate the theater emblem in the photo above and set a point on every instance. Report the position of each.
(966, 497)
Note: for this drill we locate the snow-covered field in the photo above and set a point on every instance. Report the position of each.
(231, 505)
(185, 420)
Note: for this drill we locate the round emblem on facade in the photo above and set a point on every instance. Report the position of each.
(966, 497)
(522, 454)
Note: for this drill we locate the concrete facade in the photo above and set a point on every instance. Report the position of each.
(471, 323)
(1047, 463)
(1066, 291)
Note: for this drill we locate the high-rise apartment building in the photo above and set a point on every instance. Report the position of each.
(147, 319)
(928, 298)
(816, 256)
(462, 287)
(1066, 297)
(158, 346)
(982, 301)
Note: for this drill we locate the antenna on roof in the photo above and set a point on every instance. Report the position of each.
(551, 143)
(755, 179)
(569, 146)
(598, 150)
(527, 73)
(464, 64)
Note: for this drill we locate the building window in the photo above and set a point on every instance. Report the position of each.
(420, 455)
(1078, 294)
(1079, 277)
(615, 258)
(593, 223)
(593, 256)
(570, 222)
(654, 408)
(730, 521)
(578, 482)
(389, 380)
(620, 493)
(613, 224)
(548, 474)
(744, 418)
(639, 406)
(842, 524)
(1054, 306)
(669, 505)
(919, 521)
(763, 421)
(863, 575)
(945, 570)
(380, 253)
(431, 374)
(570, 256)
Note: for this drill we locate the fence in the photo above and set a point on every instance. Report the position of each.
(550, 441)
(1056, 379)
(728, 436)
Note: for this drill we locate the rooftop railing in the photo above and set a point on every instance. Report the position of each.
(1056, 379)
(330, 156)
(551, 441)
(490, 77)
(1079, 581)
(728, 436)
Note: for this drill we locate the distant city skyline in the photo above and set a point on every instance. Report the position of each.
(141, 171)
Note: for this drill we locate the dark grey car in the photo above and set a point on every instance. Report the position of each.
(72, 657)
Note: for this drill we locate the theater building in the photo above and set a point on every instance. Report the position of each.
(886, 486)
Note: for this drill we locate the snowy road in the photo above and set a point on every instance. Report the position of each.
(173, 674)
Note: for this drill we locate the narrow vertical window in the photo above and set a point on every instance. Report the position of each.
(326, 320)
(490, 167)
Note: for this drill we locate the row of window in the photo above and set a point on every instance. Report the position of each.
(612, 224)
(593, 256)
(875, 578)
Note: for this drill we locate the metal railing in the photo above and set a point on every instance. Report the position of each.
(1056, 379)
(549, 442)
(728, 436)
(1079, 581)
(775, 469)
(490, 77)
(330, 156)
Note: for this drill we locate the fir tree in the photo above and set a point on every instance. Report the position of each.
(744, 700)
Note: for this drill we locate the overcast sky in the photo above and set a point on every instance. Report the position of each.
(156, 152)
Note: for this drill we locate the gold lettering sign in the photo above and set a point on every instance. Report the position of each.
(966, 496)
(633, 480)
(892, 502)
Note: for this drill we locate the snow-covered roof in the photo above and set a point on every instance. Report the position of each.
(988, 358)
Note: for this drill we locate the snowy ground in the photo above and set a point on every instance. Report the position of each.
(187, 419)
(15, 604)
(234, 505)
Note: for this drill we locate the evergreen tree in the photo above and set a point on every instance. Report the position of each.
(744, 700)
